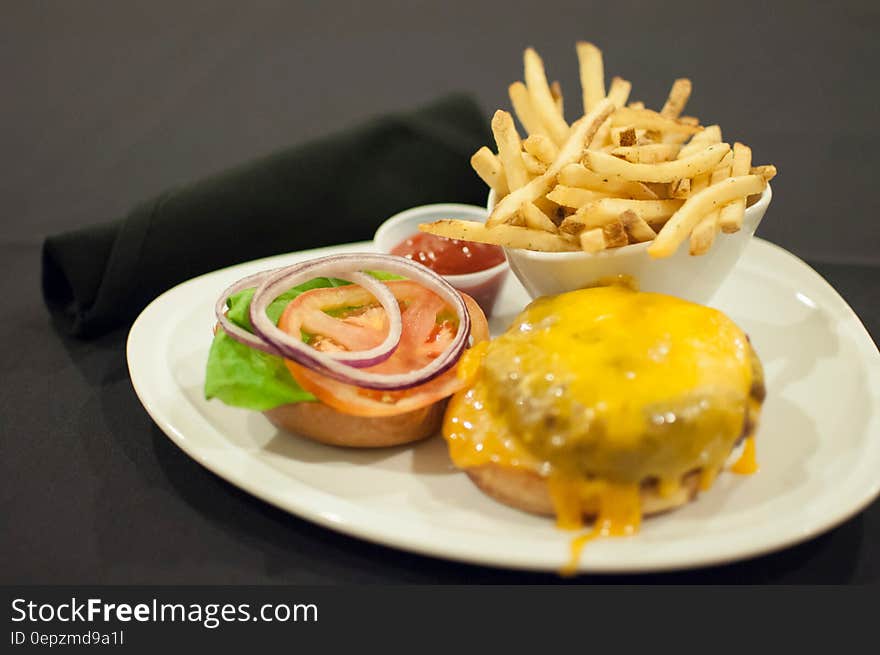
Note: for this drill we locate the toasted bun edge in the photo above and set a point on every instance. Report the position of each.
(322, 423)
(528, 491)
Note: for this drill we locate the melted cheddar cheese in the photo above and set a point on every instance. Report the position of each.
(603, 391)
(748, 461)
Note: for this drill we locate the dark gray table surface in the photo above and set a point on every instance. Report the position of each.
(108, 103)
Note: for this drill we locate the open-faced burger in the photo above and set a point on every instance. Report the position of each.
(353, 350)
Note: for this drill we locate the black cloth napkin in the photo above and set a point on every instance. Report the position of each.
(334, 189)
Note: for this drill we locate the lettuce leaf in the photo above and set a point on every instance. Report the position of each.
(243, 377)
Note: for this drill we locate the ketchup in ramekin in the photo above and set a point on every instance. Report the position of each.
(476, 269)
(449, 256)
(458, 260)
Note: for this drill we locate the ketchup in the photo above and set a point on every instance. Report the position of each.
(449, 256)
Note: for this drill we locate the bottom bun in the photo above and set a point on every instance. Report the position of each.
(324, 424)
(528, 491)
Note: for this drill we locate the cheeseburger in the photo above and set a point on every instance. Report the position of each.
(608, 404)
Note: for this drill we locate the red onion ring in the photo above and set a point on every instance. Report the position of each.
(284, 279)
(231, 329)
(362, 358)
(341, 266)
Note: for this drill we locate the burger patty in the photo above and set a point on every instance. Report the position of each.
(673, 438)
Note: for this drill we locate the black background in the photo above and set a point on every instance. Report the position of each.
(108, 103)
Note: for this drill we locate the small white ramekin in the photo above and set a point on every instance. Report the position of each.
(482, 286)
(694, 278)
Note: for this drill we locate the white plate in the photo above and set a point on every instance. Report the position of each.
(818, 444)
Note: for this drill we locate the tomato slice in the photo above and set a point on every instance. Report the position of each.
(349, 318)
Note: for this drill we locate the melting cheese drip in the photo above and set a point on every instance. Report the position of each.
(748, 461)
(617, 508)
(601, 390)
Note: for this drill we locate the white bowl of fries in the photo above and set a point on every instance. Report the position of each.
(616, 192)
(694, 278)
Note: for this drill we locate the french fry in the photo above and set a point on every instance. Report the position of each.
(592, 72)
(636, 105)
(659, 189)
(510, 205)
(686, 187)
(614, 234)
(574, 224)
(768, 172)
(488, 167)
(647, 154)
(680, 189)
(536, 219)
(592, 240)
(534, 166)
(629, 136)
(668, 171)
(723, 171)
(618, 92)
(698, 183)
(703, 235)
(724, 165)
(731, 217)
(542, 97)
(582, 131)
(651, 211)
(541, 147)
(509, 236)
(678, 97)
(525, 112)
(651, 120)
(569, 196)
(509, 150)
(556, 92)
(578, 175)
(697, 206)
(549, 208)
(606, 210)
(636, 227)
(698, 142)
(600, 139)
(624, 136)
